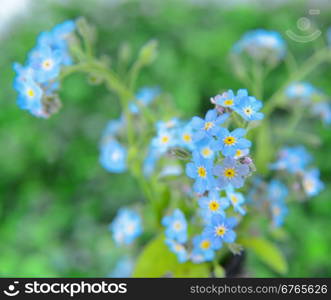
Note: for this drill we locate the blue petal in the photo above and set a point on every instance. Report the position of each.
(211, 115)
(239, 132)
(243, 144)
(229, 236)
(231, 222)
(197, 122)
(191, 170)
(228, 151)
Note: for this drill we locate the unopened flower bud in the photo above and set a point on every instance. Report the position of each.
(179, 153)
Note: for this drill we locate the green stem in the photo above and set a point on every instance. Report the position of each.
(294, 120)
(258, 76)
(314, 61)
(125, 95)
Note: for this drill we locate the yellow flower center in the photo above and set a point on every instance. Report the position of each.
(206, 152)
(177, 225)
(228, 102)
(30, 93)
(47, 64)
(205, 244)
(187, 137)
(234, 199)
(308, 185)
(179, 247)
(276, 210)
(220, 230)
(202, 172)
(299, 89)
(229, 173)
(165, 139)
(209, 125)
(213, 205)
(230, 140)
(238, 153)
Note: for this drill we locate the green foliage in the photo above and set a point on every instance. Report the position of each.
(264, 148)
(56, 201)
(156, 260)
(267, 252)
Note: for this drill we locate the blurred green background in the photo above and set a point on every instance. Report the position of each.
(56, 200)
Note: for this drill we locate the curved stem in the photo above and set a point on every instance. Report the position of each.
(125, 95)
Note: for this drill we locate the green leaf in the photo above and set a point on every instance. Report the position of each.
(219, 271)
(267, 252)
(264, 148)
(156, 260)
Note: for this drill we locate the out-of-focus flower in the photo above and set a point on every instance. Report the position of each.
(277, 193)
(236, 199)
(302, 91)
(292, 159)
(166, 125)
(144, 97)
(328, 36)
(241, 153)
(178, 249)
(262, 45)
(123, 268)
(311, 182)
(126, 226)
(112, 129)
(206, 148)
(45, 63)
(323, 111)
(113, 156)
(36, 81)
(185, 138)
(30, 96)
(176, 226)
(150, 161)
(165, 139)
(279, 211)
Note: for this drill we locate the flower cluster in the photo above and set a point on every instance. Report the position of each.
(169, 135)
(248, 107)
(315, 100)
(294, 173)
(219, 165)
(276, 194)
(213, 150)
(218, 230)
(36, 81)
(292, 159)
(126, 226)
(295, 160)
(261, 45)
(113, 155)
